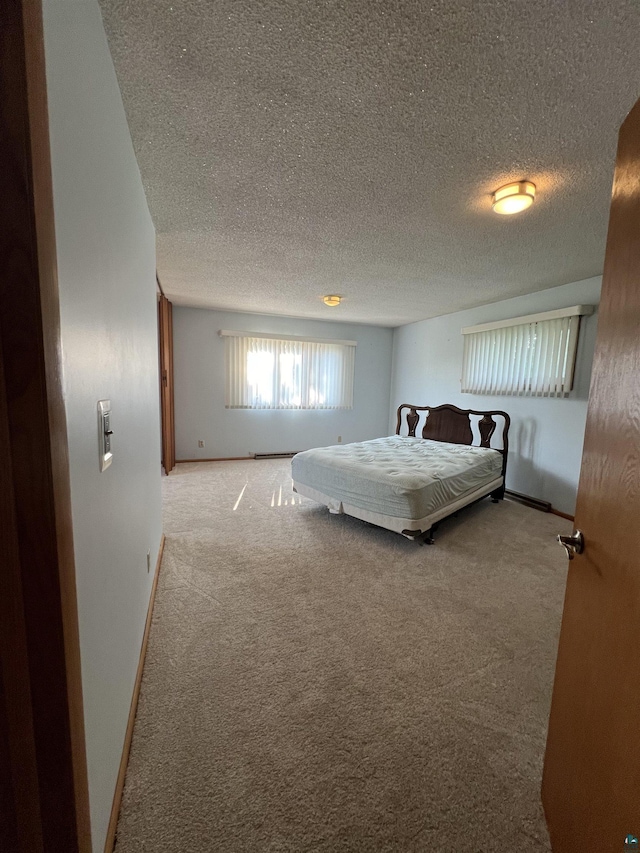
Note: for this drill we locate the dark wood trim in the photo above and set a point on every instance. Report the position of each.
(57, 432)
(19, 795)
(562, 514)
(43, 737)
(172, 399)
(126, 749)
(167, 408)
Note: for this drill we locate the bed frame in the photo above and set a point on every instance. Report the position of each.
(449, 423)
(445, 423)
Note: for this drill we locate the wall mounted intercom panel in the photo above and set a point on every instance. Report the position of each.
(104, 433)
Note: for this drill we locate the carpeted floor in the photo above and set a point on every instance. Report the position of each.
(317, 684)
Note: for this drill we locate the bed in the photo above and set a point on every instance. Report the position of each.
(407, 482)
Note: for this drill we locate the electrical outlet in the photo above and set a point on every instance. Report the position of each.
(148, 560)
(200, 443)
(339, 439)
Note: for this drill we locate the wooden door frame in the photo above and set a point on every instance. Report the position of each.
(44, 802)
(165, 343)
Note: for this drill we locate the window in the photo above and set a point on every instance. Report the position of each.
(271, 372)
(531, 356)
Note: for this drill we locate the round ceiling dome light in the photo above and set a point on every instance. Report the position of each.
(332, 301)
(512, 198)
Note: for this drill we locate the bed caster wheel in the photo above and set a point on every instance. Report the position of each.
(428, 541)
(495, 500)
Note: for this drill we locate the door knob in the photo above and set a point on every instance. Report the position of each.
(573, 544)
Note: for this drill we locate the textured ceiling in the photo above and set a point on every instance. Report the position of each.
(291, 149)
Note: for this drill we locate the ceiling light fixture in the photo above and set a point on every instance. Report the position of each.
(512, 198)
(332, 301)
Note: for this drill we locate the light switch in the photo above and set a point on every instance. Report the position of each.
(104, 433)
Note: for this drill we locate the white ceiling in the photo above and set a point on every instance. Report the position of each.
(294, 148)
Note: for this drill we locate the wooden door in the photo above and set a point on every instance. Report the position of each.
(44, 803)
(165, 338)
(591, 782)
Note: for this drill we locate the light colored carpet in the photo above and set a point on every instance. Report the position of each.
(314, 683)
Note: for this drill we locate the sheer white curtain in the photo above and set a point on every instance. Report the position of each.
(529, 359)
(270, 373)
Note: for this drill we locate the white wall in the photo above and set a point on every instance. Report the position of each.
(546, 434)
(106, 263)
(200, 384)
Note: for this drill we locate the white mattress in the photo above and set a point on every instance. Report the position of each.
(406, 478)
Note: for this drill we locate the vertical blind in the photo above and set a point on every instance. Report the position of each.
(531, 359)
(288, 373)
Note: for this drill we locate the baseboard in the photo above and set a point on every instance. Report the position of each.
(287, 454)
(527, 500)
(122, 772)
(536, 503)
(252, 458)
(219, 459)
(562, 514)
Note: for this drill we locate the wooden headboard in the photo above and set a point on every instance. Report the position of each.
(449, 423)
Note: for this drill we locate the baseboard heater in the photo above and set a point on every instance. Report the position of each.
(543, 506)
(286, 454)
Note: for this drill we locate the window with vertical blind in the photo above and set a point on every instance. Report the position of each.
(532, 356)
(277, 372)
